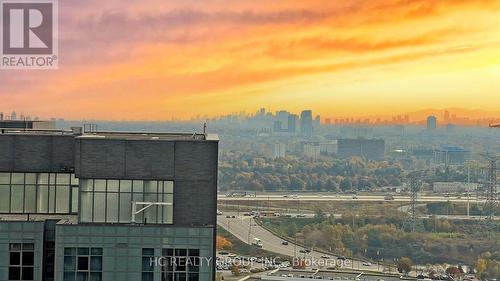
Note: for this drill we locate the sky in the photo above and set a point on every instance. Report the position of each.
(159, 59)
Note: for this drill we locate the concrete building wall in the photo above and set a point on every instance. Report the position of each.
(122, 246)
(21, 232)
(35, 153)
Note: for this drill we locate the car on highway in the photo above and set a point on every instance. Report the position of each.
(342, 258)
(355, 197)
(257, 242)
(302, 251)
(388, 197)
(301, 216)
(219, 213)
(325, 256)
(367, 263)
(284, 243)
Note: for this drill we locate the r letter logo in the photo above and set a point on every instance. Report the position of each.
(29, 34)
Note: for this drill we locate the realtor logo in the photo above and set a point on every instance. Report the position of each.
(29, 34)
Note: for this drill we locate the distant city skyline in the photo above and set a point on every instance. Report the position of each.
(285, 118)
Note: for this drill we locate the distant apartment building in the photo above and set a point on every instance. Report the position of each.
(431, 122)
(25, 124)
(328, 147)
(311, 150)
(306, 123)
(102, 206)
(453, 187)
(279, 150)
(450, 155)
(292, 123)
(373, 149)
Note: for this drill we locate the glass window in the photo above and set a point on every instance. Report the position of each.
(86, 185)
(86, 207)
(138, 186)
(62, 201)
(83, 264)
(17, 199)
(112, 207)
(147, 265)
(125, 207)
(74, 180)
(99, 185)
(4, 178)
(52, 198)
(43, 178)
(43, 199)
(30, 199)
(113, 185)
(125, 185)
(17, 178)
(99, 207)
(168, 186)
(111, 201)
(74, 199)
(4, 198)
(63, 179)
(21, 261)
(186, 265)
(30, 178)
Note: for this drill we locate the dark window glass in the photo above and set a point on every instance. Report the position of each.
(147, 276)
(95, 276)
(194, 252)
(148, 252)
(15, 258)
(96, 251)
(147, 265)
(180, 276)
(27, 273)
(69, 276)
(180, 252)
(193, 264)
(167, 252)
(28, 258)
(69, 251)
(96, 263)
(28, 246)
(193, 277)
(69, 263)
(14, 273)
(83, 251)
(82, 276)
(83, 263)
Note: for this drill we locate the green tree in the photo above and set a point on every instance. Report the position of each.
(404, 265)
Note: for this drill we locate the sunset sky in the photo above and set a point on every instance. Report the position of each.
(155, 59)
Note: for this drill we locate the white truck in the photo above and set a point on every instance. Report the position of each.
(257, 242)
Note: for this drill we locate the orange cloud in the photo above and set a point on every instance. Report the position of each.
(154, 59)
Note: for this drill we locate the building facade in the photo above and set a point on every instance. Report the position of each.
(107, 206)
(373, 149)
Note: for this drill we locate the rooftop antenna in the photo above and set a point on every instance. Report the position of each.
(205, 129)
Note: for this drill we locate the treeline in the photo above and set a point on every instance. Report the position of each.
(252, 172)
(437, 240)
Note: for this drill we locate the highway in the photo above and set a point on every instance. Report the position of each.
(246, 229)
(343, 197)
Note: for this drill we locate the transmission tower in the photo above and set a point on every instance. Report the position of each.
(490, 185)
(414, 184)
